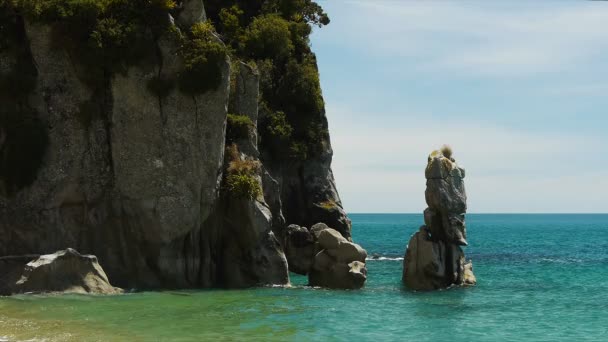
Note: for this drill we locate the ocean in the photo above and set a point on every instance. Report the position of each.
(540, 278)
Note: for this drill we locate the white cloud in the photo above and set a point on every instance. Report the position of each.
(379, 166)
(481, 38)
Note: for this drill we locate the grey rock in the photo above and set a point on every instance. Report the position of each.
(317, 228)
(469, 278)
(330, 239)
(424, 263)
(252, 254)
(191, 12)
(434, 258)
(299, 249)
(446, 197)
(135, 178)
(339, 275)
(348, 251)
(245, 102)
(65, 271)
(128, 176)
(339, 263)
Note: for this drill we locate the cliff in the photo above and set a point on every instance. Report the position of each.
(174, 151)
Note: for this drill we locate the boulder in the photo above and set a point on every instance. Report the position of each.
(348, 251)
(330, 239)
(65, 271)
(339, 263)
(339, 275)
(469, 277)
(316, 229)
(299, 249)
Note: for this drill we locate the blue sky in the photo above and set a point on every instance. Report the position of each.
(519, 89)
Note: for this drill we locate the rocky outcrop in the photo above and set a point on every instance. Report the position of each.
(134, 176)
(339, 263)
(251, 255)
(64, 271)
(434, 258)
(327, 257)
(299, 249)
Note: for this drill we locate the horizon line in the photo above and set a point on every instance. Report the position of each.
(485, 213)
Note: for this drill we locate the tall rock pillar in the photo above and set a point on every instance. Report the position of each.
(434, 258)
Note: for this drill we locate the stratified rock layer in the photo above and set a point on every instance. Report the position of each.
(434, 258)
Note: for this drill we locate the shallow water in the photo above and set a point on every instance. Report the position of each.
(541, 277)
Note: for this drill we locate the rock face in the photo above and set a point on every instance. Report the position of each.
(434, 258)
(299, 248)
(135, 178)
(327, 257)
(252, 255)
(65, 271)
(339, 263)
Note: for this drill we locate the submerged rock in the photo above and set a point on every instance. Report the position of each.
(434, 258)
(65, 271)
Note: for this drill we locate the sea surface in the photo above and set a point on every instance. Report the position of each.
(540, 278)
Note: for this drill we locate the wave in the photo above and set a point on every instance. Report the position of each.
(562, 260)
(384, 258)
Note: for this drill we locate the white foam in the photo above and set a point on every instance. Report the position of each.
(383, 258)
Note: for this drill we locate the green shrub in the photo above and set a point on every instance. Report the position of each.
(243, 186)
(298, 10)
(104, 36)
(268, 36)
(230, 24)
(446, 150)
(238, 127)
(240, 180)
(203, 56)
(275, 34)
(276, 127)
(298, 150)
(300, 89)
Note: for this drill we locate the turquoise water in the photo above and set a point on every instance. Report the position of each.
(541, 277)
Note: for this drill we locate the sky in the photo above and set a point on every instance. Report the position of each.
(519, 89)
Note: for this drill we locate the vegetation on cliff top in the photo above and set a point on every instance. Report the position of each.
(274, 34)
(107, 36)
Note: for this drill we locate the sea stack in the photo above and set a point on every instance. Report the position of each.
(434, 258)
